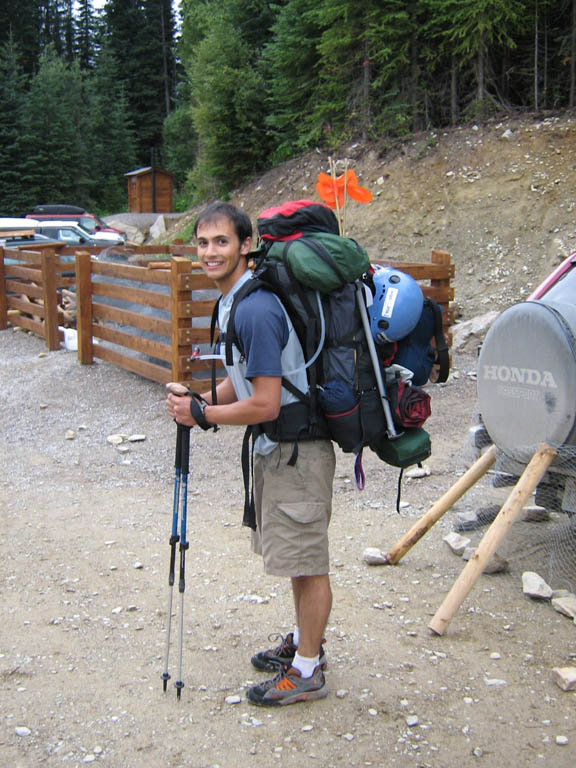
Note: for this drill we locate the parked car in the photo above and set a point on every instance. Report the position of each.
(72, 233)
(72, 213)
(24, 241)
(15, 225)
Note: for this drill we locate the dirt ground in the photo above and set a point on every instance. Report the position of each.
(85, 527)
(84, 564)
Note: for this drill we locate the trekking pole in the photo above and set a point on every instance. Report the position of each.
(174, 538)
(375, 362)
(184, 467)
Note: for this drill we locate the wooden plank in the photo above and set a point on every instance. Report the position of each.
(196, 308)
(441, 294)
(131, 341)
(190, 367)
(27, 307)
(421, 270)
(199, 385)
(14, 286)
(193, 335)
(125, 317)
(36, 327)
(130, 272)
(139, 367)
(27, 273)
(33, 257)
(195, 281)
(132, 295)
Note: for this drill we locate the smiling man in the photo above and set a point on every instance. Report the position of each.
(293, 501)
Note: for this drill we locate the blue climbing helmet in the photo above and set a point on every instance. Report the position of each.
(397, 305)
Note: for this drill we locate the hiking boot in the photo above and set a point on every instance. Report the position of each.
(282, 656)
(288, 687)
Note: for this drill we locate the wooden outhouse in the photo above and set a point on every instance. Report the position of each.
(149, 190)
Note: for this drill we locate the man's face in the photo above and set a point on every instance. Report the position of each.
(220, 252)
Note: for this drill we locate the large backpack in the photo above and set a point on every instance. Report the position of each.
(323, 281)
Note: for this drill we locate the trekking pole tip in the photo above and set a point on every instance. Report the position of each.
(178, 685)
(165, 677)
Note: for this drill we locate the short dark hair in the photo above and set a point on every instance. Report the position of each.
(219, 210)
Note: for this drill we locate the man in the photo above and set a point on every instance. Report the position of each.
(293, 501)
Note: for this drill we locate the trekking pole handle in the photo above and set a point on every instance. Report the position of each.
(177, 389)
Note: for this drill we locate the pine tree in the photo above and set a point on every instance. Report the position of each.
(289, 63)
(54, 127)
(228, 110)
(140, 35)
(110, 134)
(12, 87)
(20, 22)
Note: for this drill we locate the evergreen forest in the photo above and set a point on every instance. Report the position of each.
(215, 91)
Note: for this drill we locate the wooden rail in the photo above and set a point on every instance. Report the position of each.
(113, 323)
(30, 288)
(147, 316)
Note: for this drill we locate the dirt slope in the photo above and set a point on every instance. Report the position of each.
(500, 197)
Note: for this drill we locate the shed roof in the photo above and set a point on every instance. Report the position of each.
(147, 169)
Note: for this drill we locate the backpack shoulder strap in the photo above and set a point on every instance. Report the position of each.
(230, 336)
(442, 354)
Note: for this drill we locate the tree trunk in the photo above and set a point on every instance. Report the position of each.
(453, 92)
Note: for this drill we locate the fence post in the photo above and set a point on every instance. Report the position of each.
(51, 332)
(3, 299)
(180, 294)
(84, 307)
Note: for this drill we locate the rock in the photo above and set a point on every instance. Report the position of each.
(467, 336)
(70, 434)
(158, 228)
(412, 720)
(565, 605)
(562, 741)
(115, 439)
(374, 556)
(466, 521)
(136, 438)
(533, 513)
(456, 542)
(495, 682)
(494, 564)
(233, 699)
(418, 472)
(565, 678)
(534, 586)
(21, 730)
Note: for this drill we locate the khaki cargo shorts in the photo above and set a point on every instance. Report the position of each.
(293, 508)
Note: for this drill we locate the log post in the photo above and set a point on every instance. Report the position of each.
(422, 526)
(180, 314)
(84, 307)
(50, 297)
(3, 299)
(512, 507)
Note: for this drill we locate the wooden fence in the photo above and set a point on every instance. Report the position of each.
(148, 317)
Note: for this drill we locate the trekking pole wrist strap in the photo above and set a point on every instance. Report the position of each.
(197, 407)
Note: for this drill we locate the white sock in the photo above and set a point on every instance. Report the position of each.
(305, 665)
(296, 636)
